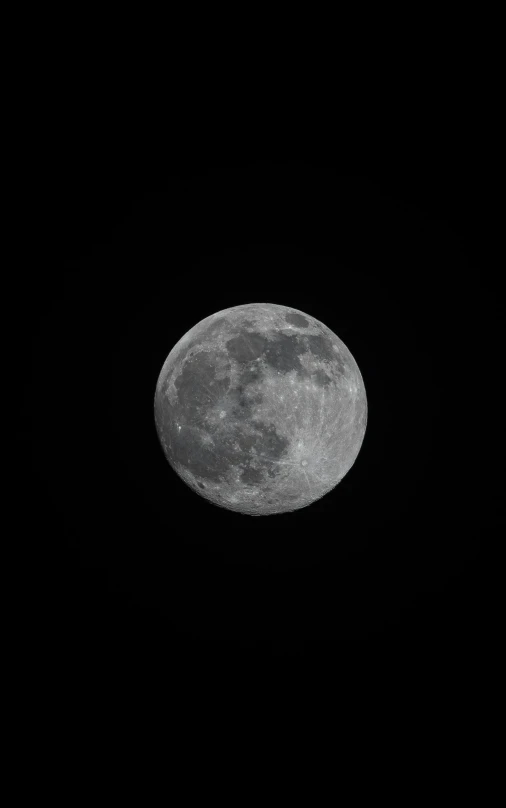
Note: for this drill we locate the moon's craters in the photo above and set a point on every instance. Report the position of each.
(293, 318)
(247, 345)
(283, 351)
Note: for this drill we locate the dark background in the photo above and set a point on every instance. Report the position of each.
(394, 564)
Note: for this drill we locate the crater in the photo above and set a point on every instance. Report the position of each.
(270, 446)
(200, 339)
(213, 328)
(296, 319)
(251, 475)
(209, 450)
(279, 351)
(247, 345)
(199, 457)
(198, 386)
(320, 378)
(339, 363)
(283, 353)
(320, 346)
(252, 373)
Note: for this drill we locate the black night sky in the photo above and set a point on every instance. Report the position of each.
(393, 563)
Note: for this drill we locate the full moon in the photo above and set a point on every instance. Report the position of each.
(261, 409)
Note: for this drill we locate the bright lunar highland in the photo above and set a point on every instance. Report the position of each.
(261, 409)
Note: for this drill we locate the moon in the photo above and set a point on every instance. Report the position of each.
(260, 409)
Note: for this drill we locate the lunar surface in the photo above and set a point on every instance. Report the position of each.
(261, 409)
